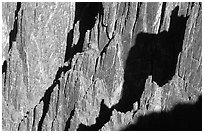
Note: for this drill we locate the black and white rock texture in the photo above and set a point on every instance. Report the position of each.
(101, 66)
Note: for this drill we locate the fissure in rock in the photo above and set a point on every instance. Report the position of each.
(46, 101)
(86, 14)
(162, 15)
(144, 60)
(68, 123)
(13, 32)
(4, 71)
(34, 114)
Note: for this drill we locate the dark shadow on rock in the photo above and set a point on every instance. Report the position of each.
(4, 71)
(46, 103)
(68, 122)
(14, 31)
(183, 117)
(69, 50)
(104, 116)
(167, 49)
(4, 67)
(87, 21)
(85, 13)
(137, 68)
(152, 54)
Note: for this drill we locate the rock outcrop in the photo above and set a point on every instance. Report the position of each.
(101, 66)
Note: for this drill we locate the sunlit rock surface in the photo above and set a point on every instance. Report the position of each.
(101, 66)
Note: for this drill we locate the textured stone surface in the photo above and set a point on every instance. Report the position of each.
(101, 66)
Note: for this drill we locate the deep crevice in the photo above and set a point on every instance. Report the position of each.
(4, 71)
(19, 125)
(68, 52)
(192, 5)
(13, 32)
(46, 101)
(162, 15)
(68, 123)
(57, 105)
(138, 10)
(34, 114)
(85, 13)
(48, 92)
(4, 67)
(87, 21)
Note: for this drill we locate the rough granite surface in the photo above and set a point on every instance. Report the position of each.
(98, 66)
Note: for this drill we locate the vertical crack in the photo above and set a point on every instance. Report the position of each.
(162, 15)
(57, 104)
(46, 101)
(34, 113)
(47, 96)
(138, 10)
(19, 125)
(106, 46)
(4, 70)
(13, 32)
(68, 123)
(4, 67)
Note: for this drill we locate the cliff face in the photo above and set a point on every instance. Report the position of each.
(101, 66)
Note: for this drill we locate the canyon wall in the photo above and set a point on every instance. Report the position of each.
(101, 66)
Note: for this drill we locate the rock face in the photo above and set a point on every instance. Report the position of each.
(101, 66)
